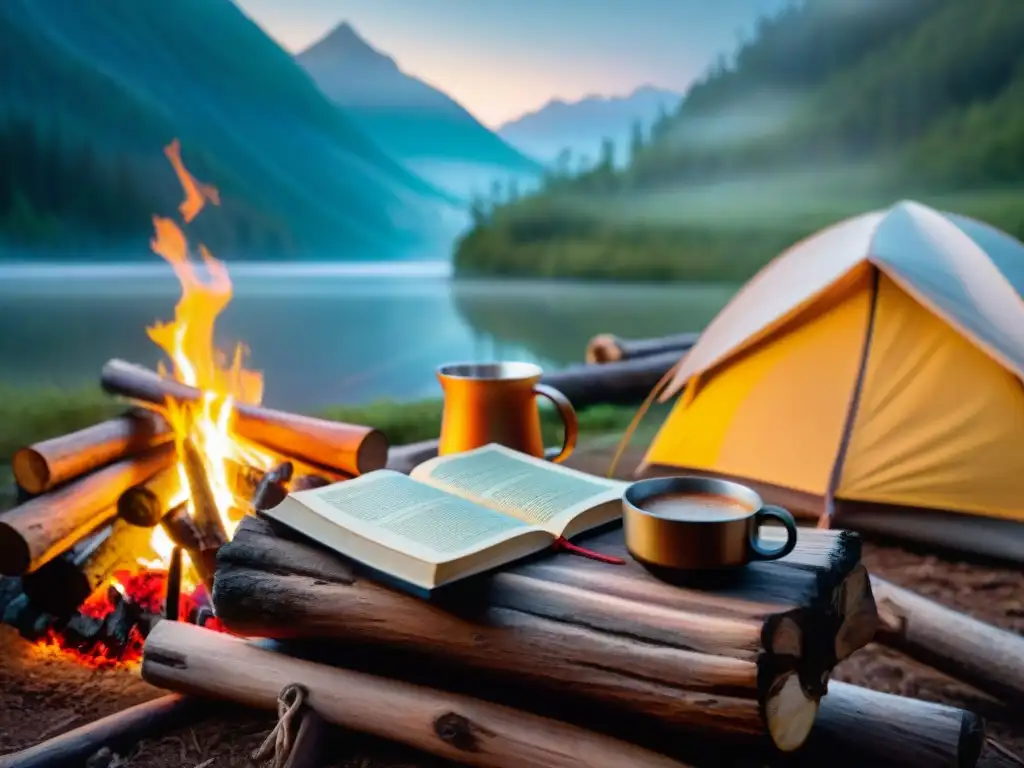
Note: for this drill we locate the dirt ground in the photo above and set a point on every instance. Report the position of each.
(42, 694)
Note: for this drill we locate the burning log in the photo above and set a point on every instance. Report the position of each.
(181, 529)
(172, 600)
(116, 632)
(37, 531)
(147, 503)
(245, 479)
(64, 583)
(204, 503)
(121, 729)
(710, 660)
(188, 659)
(606, 348)
(42, 466)
(962, 647)
(345, 447)
(273, 487)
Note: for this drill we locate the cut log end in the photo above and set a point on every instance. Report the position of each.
(373, 452)
(31, 470)
(789, 712)
(603, 348)
(17, 557)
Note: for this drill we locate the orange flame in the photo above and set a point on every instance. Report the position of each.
(188, 341)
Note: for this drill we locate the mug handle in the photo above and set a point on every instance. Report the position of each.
(569, 420)
(770, 512)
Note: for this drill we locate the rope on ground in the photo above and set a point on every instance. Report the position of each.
(279, 742)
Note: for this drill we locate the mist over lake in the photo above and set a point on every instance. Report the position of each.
(327, 333)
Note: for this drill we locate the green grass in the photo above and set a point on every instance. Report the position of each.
(27, 417)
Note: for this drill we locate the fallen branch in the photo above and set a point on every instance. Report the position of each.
(606, 348)
(964, 648)
(123, 728)
(624, 383)
(186, 658)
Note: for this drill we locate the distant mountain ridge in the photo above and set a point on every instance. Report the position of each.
(94, 91)
(412, 121)
(582, 125)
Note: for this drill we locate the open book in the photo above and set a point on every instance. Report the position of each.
(453, 516)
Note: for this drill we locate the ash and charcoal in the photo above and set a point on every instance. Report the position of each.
(110, 627)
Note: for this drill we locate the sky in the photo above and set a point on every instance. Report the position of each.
(502, 58)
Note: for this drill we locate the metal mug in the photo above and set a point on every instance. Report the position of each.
(681, 544)
(497, 403)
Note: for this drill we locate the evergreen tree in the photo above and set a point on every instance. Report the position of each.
(606, 165)
(477, 209)
(563, 163)
(495, 193)
(636, 142)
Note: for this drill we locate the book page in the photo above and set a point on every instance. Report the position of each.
(536, 491)
(398, 512)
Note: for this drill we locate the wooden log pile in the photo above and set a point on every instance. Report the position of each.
(746, 658)
(89, 500)
(742, 665)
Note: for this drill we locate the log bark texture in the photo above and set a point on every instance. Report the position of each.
(42, 466)
(346, 447)
(607, 348)
(64, 583)
(34, 533)
(185, 658)
(856, 726)
(990, 659)
(708, 657)
(121, 729)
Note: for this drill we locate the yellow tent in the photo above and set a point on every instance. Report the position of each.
(871, 374)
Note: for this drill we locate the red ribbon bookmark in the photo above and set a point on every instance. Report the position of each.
(562, 544)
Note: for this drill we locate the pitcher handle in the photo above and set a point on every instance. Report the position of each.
(569, 420)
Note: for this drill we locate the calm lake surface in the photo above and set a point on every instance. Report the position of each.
(328, 334)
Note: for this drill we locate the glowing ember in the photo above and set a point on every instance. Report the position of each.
(188, 342)
(144, 591)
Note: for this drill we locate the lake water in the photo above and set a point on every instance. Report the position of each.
(328, 334)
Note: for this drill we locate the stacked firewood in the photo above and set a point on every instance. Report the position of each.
(88, 501)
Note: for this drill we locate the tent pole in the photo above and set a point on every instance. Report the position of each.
(825, 521)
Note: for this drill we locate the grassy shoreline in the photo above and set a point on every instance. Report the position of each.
(722, 233)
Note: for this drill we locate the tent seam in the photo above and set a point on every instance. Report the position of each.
(851, 413)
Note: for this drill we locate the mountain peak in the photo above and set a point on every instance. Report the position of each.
(344, 44)
(344, 34)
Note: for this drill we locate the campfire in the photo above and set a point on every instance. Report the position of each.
(119, 524)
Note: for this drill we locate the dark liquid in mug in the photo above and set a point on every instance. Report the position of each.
(696, 507)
